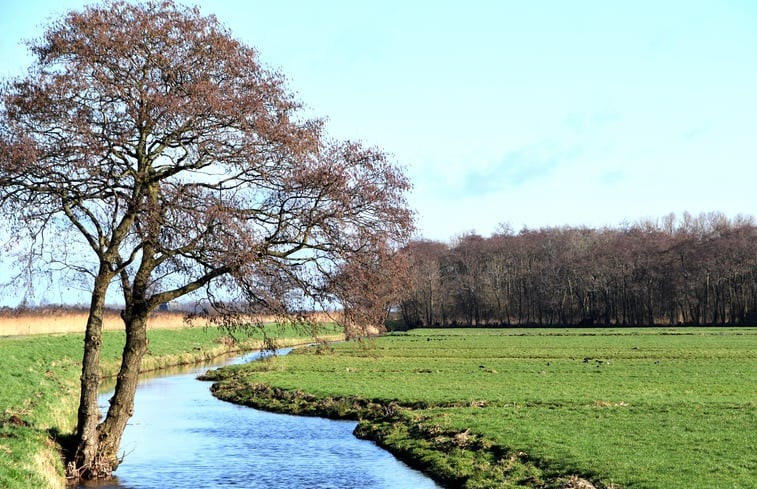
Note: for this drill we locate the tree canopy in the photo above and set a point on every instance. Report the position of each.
(156, 134)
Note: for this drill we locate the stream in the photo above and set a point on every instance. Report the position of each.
(182, 437)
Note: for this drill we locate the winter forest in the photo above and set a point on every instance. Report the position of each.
(692, 270)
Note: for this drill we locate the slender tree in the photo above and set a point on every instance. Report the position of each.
(421, 303)
(181, 164)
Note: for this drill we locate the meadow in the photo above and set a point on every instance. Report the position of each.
(39, 390)
(621, 408)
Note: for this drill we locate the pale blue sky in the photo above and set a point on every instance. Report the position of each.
(537, 113)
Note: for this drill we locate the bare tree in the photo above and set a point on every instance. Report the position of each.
(421, 304)
(181, 164)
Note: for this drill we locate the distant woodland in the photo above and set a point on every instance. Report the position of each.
(692, 270)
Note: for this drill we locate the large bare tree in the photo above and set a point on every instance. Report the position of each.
(180, 164)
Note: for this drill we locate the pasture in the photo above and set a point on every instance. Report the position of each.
(631, 408)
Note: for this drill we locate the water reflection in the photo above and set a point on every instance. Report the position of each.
(182, 437)
(108, 384)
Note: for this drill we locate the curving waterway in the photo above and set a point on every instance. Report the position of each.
(181, 437)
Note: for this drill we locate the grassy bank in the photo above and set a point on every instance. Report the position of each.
(630, 408)
(39, 389)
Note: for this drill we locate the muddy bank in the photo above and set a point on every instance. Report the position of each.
(452, 458)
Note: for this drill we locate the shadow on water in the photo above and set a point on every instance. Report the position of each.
(182, 437)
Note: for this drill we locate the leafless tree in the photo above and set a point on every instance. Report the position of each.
(182, 165)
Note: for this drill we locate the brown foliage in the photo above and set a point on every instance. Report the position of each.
(62, 320)
(166, 145)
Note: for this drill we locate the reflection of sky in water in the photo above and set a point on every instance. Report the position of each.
(182, 437)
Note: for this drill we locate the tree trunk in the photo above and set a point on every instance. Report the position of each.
(97, 451)
(84, 461)
(122, 403)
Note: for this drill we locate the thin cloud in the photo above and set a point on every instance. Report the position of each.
(695, 132)
(518, 167)
(613, 177)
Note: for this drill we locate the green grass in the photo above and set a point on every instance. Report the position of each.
(39, 389)
(635, 408)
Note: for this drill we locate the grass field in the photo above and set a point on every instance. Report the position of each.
(39, 390)
(630, 408)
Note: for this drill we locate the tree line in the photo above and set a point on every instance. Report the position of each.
(670, 271)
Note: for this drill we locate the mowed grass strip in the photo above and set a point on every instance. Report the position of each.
(39, 388)
(632, 408)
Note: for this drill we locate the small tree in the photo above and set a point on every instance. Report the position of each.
(149, 135)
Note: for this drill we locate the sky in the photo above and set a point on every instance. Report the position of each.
(536, 114)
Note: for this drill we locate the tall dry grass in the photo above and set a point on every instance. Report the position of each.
(22, 322)
(61, 320)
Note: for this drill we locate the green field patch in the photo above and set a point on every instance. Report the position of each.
(635, 408)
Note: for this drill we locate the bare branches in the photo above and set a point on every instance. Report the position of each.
(179, 158)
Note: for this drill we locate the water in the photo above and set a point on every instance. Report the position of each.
(182, 437)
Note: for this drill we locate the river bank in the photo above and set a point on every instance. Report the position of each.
(39, 388)
(560, 408)
(453, 458)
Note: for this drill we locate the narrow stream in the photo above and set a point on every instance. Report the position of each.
(182, 437)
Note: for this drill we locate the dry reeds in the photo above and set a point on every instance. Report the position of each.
(22, 322)
(60, 320)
